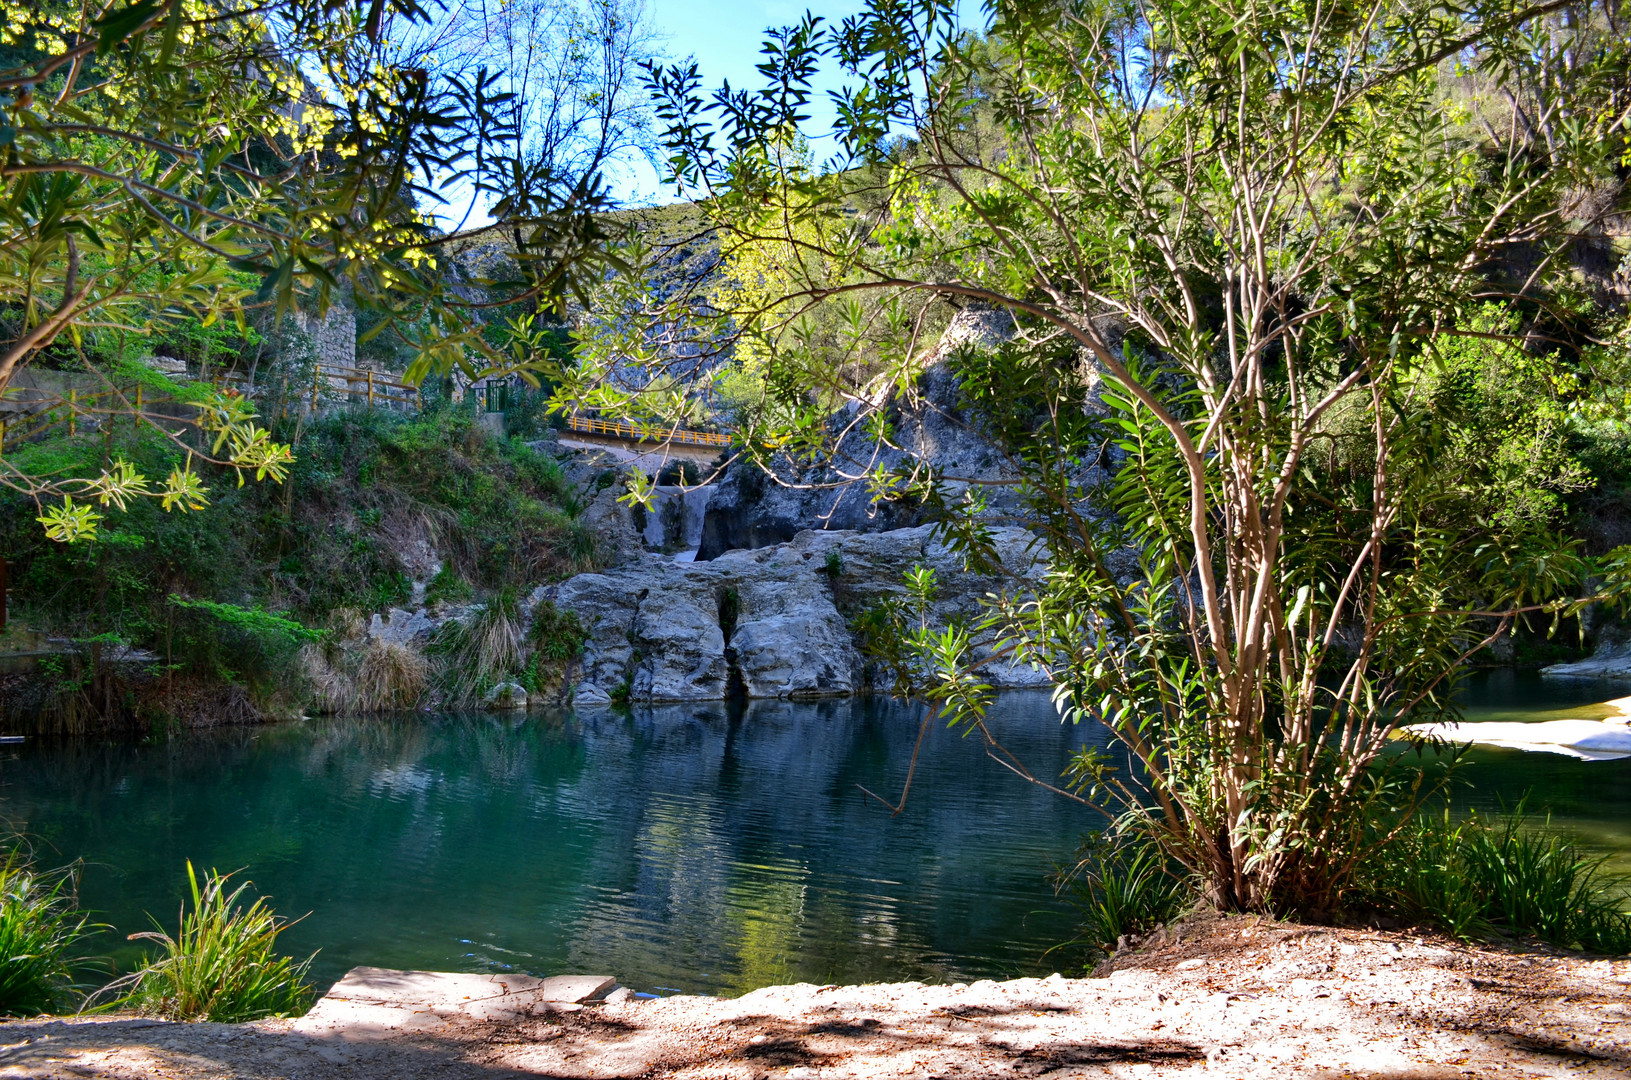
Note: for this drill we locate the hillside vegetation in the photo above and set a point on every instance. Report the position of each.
(226, 599)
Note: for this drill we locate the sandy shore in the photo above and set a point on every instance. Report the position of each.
(1228, 998)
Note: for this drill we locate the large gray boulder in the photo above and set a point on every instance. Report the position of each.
(771, 622)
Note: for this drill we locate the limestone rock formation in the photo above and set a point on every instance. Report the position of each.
(1611, 661)
(751, 509)
(1611, 652)
(771, 622)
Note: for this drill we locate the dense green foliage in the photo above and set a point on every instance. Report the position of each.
(222, 965)
(500, 511)
(231, 596)
(1250, 251)
(1503, 877)
(171, 166)
(1475, 877)
(41, 931)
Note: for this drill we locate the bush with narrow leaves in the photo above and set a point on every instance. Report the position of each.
(222, 965)
(40, 928)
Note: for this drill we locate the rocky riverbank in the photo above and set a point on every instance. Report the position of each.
(1231, 997)
(773, 622)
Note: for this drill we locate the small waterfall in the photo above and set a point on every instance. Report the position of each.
(675, 519)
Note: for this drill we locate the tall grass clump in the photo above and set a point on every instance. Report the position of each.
(482, 651)
(577, 546)
(222, 965)
(391, 675)
(1477, 877)
(40, 928)
(1122, 887)
(349, 672)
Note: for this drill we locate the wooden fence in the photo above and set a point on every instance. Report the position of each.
(373, 388)
(358, 385)
(70, 409)
(43, 411)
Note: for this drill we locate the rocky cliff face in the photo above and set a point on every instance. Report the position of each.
(751, 509)
(773, 622)
(784, 563)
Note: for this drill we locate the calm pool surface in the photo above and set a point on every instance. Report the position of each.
(689, 849)
(1590, 798)
(681, 848)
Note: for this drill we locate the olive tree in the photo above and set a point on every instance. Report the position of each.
(1235, 237)
(163, 160)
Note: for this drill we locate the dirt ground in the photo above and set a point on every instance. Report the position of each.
(1228, 998)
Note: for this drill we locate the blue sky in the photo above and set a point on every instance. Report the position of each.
(724, 36)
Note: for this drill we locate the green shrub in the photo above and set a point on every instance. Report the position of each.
(235, 643)
(557, 634)
(222, 965)
(448, 586)
(487, 649)
(1122, 887)
(1478, 877)
(40, 927)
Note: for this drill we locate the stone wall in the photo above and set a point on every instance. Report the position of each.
(333, 337)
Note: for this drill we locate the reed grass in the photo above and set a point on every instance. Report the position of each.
(578, 546)
(1122, 888)
(359, 674)
(222, 965)
(1510, 876)
(490, 647)
(390, 675)
(41, 928)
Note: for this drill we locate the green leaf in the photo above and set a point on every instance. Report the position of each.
(116, 26)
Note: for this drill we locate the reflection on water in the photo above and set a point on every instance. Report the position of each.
(679, 848)
(682, 848)
(1591, 798)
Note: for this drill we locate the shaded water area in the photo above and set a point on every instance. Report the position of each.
(681, 848)
(1590, 799)
(690, 848)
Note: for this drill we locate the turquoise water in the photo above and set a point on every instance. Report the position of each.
(693, 849)
(684, 848)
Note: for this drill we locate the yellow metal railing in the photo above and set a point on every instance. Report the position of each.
(639, 433)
